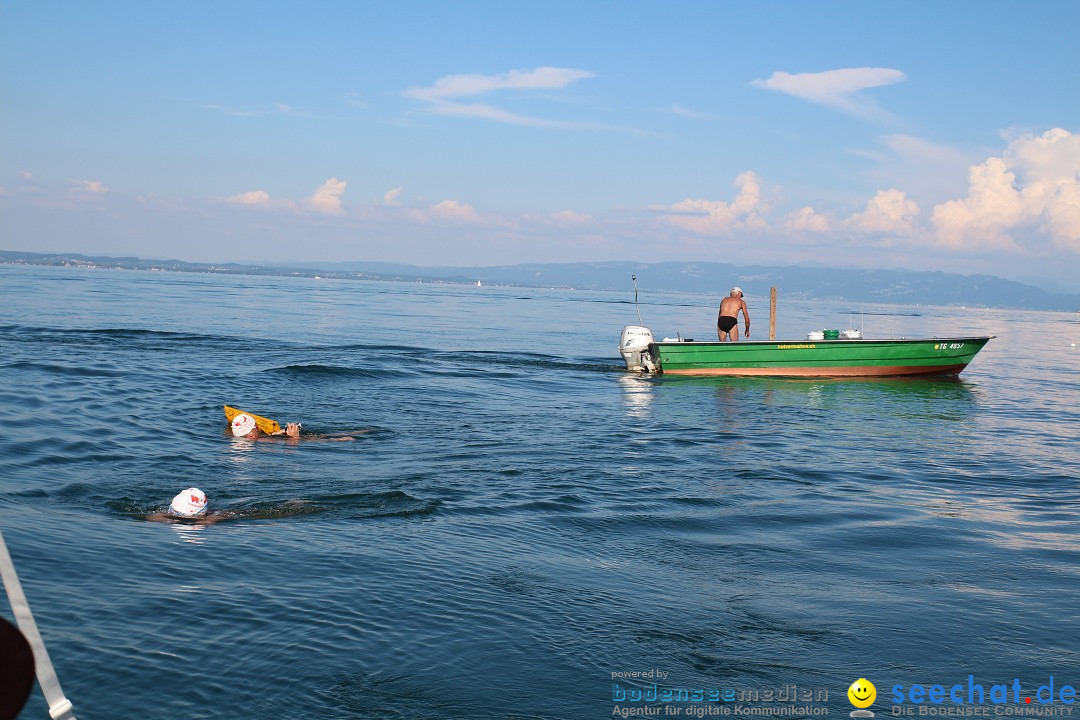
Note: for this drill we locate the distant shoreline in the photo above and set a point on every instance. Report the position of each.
(896, 287)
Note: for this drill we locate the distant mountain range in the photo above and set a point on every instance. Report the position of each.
(906, 287)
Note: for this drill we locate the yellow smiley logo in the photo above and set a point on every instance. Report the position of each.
(862, 693)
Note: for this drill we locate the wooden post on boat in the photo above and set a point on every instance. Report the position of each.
(772, 313)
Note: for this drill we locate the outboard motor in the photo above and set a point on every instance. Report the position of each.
(634, 347)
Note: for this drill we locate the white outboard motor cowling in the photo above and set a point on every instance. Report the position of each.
(634, 348)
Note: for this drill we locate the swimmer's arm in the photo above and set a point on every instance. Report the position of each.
(208, 519)
(292, 430)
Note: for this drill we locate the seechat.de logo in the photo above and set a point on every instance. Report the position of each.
(862, 694)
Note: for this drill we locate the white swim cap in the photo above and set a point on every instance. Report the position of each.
(737, 289)
(242, 424)
(189, 503)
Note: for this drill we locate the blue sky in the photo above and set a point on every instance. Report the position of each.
(921, 135)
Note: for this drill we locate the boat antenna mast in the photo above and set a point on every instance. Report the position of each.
(636, 307)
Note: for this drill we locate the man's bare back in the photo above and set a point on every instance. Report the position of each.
(727, 322)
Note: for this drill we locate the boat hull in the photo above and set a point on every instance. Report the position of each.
(818, 358)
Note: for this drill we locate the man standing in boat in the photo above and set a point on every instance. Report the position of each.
(727, 322)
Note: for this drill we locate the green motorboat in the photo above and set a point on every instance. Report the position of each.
(841, 357)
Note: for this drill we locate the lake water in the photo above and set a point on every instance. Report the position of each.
(521, 525)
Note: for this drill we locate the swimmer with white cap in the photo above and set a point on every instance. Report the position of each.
(244, 426)
(191, 508)
(188, 505)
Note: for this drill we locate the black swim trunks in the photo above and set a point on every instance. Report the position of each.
(726, 322)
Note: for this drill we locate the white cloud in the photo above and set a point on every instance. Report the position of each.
(290, 111)
(26, 175)
(260, 199)
(1053, 157)
(488, 112)
(454, 210)
(253, 197)
(837, 89)
(715, 217)
(889, 212)
(327, 199)
(806, 220)
(1063, 218)
(1025, 201)
(443, 97)
(569, 217)
(1034, 185)
(391, 196)
(454, 86)
(992, 207)
(90, 187)
(929, 172)
(686, 112)
(84, 191)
